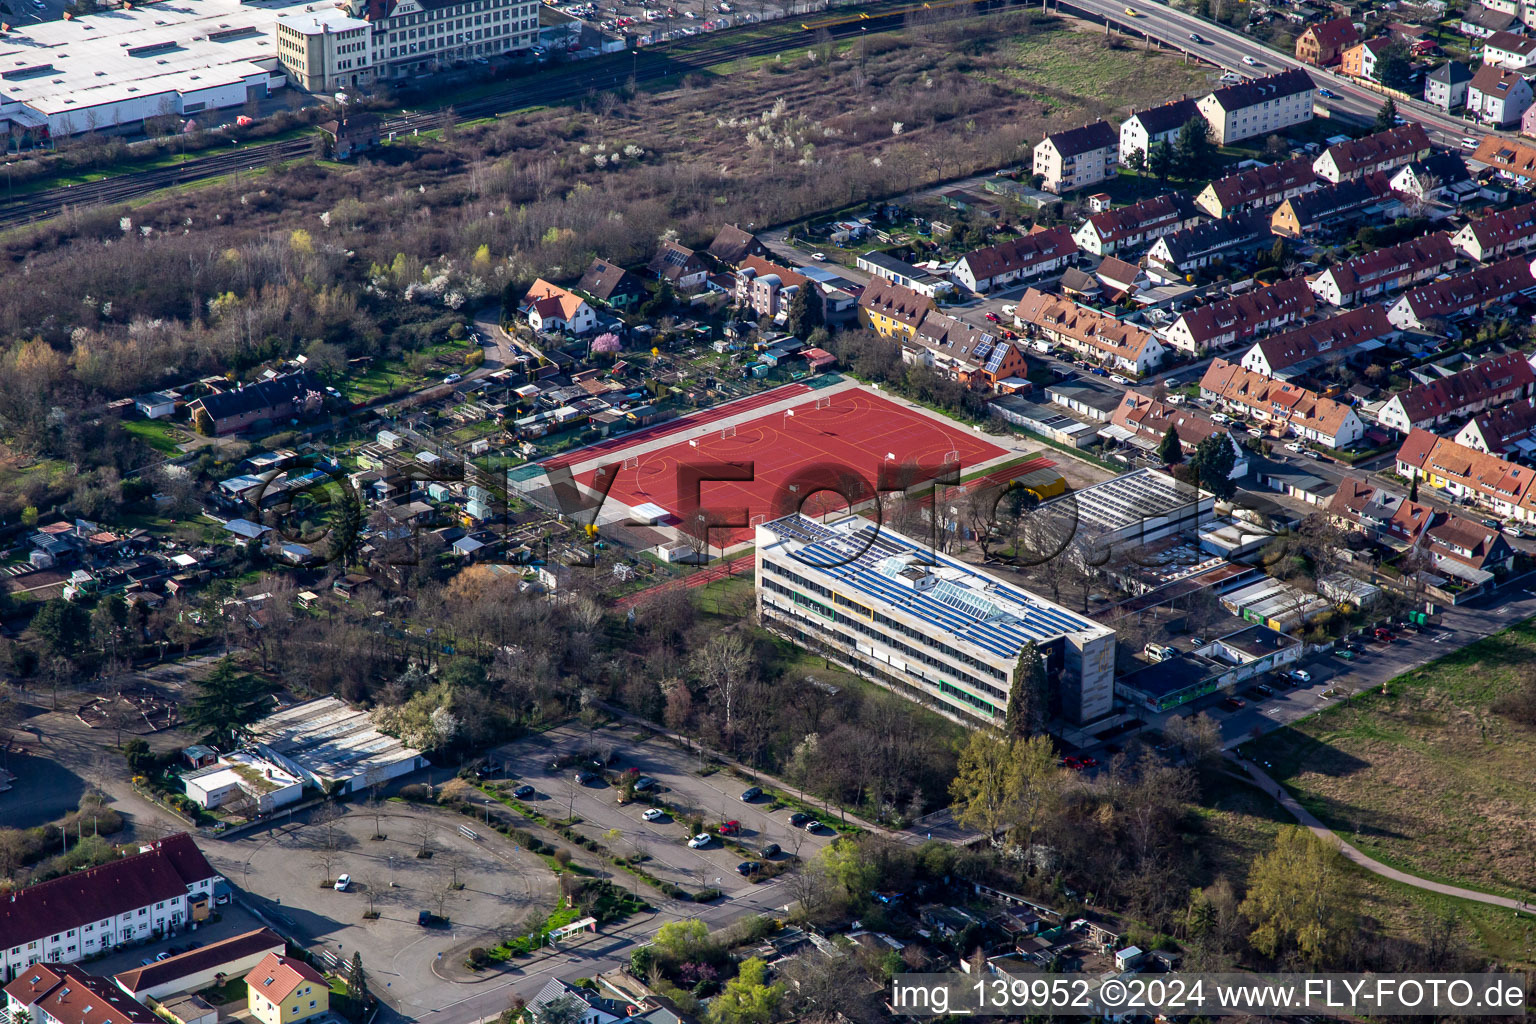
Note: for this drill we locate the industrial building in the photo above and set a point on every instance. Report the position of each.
(1137, 508)
(332, 746)
(242, 775)
(927, 626)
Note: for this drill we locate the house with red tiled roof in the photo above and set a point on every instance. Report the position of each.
(1241, 318)
(1496, 484)
(1332, 207)
(1280, 406)
(1484, 385)
(1507, 428)
(157, 891)
(1497, 96)
(1383, 151)
(1501, 233)
(888, 309)
(962, 352)
(1463, 294)
(1258, 187)
(1105, 339)
(1321, 340)
(1042, 251)
(282, 989)
(1324, 43)
(1138, 225)
(1514, 161)
(550, 308)
(767, 288)
(199, 968)
(62, 994)
(1148, 421)
(1385, 270)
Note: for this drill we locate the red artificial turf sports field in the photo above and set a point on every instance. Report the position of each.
(785, 459)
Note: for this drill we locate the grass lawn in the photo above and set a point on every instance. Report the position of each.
(1427, 778)
(161, 435)
(378, 380)
(1078, 65)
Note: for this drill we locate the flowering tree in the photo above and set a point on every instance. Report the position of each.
(607, 344)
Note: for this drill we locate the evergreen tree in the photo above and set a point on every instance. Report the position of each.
(1160, 161)
(1212, 463)
(1170, 450)
(357, 981)
(226, 702)
(1194, 150)
(1413, 489)
(1386, 117)
(804, 313)
(1026, 697)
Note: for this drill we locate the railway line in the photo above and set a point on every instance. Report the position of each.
(646, 66)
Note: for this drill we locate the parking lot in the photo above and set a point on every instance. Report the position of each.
(716, 798)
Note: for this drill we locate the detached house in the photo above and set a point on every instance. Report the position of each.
(1458, 296)
(1258, 187)
(1283, 407)
(1505, 428)
(1383, 151)
(1499, 234)
(265, 401)
(892, 311)
(679, 266)
(281, 990)
(1123, 347)
(1137, 225)
(1259, 107)
(1241, 318)
(550, 308)
(1385, 270)
(1359, 61)
(1497, 96)
(1509, 50)
(1042, 251)
(1077, 157)
(1446, 86)
(1486, 385)
(732, 245)
(963, 352)
(1324, 43)
(608, 284)
(1188, 249)
(1323, 340)
(1146, 128)
(1512, 160)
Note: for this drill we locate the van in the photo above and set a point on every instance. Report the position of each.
(1468, 142)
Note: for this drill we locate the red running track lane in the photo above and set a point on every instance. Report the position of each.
(697, 419)
(842, 447)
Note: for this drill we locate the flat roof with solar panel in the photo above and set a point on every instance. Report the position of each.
(328, 740)
(1145, 504)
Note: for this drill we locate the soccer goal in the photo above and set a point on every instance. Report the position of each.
(757, 521)
(824, 402)
(633, 462)
(729, 431)
(951, 457)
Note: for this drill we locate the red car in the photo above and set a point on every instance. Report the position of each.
(730, 828)
(994, 318)
(1234, 704)
(1384, 635)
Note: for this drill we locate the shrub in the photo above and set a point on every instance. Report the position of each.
(562, 857)
(477, 958)
(415, 791)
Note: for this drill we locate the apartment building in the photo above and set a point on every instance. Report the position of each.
(1498, 485)
(767, 288)
(1146, 128)
(1497, 96)
(1334, 207)
(962, 352)
(1385, 270)
(1077, 158)
(1258, 187)
(1324, 340)
(1042, 251)
(1124, 348)
(326, 51)
(1499, 234)
(1509, 50)
(155, 892)
(1513, 161)
(1200, 245)
(1458, 296)
(1323, 43)
(924, 625)
(892, 311)
(1503, 429)
(1132, 227)
(1446, 86)
(1484, 385)
(411, 37)
(1383, 151)
(1281, 406)
(1241, 318)
(1259, 107)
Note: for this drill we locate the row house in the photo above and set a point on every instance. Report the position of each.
(1283, 407)
(892, 311)
(1146, 128)
(1480, 21)
(1324, 43)
(1505, 428)
(1258, 187)
(1499, 234)
(1509, 50)
(1497, 96)
(1258, 107)
(1200, 245)
(1456, 545)
(155, 892)
(1241, 318)
(1385, 270)
(1077, 157)
(1498, 485)
(962, 352)
(1147, 420)
(51, 993)
(767, 288)
(1428, 179)
(1486, 385)
(1514, 161)
(1382, 151)
(1042, 251)
(1332, 206)
(1123, 347)
(1137, 225)
(1459, 296)
(1323, 340)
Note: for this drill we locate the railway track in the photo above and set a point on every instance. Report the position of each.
(649, 66)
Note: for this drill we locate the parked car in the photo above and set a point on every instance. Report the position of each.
(1383, 634)
(1010, 310)
(644, 784)
(523, 792)
(1234, 703)
(747, 868)
(819, 257)
(343, 882)
(751, 793)
(453, 378)
(1345, 653)
(1301, 675)
(813, 826)
(221, 899)
(701, 840)
(797, 819)
(654, 814)
(994, 317)
(771, 850)
(582, 778)
(1118, 379)
(730, 828)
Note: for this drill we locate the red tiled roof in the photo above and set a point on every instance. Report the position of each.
(1334, 334)
(1335, 34)
(95, 894)
(1485, 474)
(209, 957)
(891, 299)
(1247, 311)
(277, 976)
(1415, 256)
(1111, 225)
(1262, 184)
(1037, 247)
(85, 999)
(1505, 375)
(1505, 227)
(1400, 144)
(1276, 400)
(1470, 290)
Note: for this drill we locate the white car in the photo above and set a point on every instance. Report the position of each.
(702, 839)
(343, 882)
(1252, 63)
(1301, 675)
(813, 826)
(1293, 447)
(453, 378)
(1010, 310)
(654, 814)
(1120, 380)
(819, 257)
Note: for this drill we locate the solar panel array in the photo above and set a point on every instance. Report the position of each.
(1125, 500)
(964, 603)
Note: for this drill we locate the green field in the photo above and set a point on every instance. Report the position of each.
(161, 435)
(1427, 778)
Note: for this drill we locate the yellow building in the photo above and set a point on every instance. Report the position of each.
(281, 990)
(891, 310)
